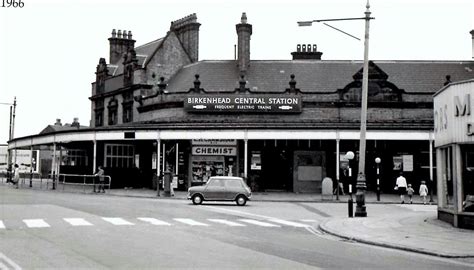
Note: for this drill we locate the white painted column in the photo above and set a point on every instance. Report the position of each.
(457, 178)
(158, 172)
(94, 158)
(53, 163)
(177, 159)
(164, 159)
(246, 146)
(337, 166)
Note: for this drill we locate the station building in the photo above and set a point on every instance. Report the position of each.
(281, 124)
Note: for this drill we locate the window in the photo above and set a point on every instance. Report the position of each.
(74, 157)
(99, 113)
(467, 188)
(447, 177)
(127, 112)
(112, 107)
(119, 156)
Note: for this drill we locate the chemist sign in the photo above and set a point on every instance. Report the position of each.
(243, 103)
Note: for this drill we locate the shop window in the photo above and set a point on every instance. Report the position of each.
(468, 178)
(73, 157)
(447, 174)
(119, 156)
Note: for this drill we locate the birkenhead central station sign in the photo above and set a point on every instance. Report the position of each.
(453, 115)
(243, 103)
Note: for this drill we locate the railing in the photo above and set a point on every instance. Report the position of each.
(85, 180)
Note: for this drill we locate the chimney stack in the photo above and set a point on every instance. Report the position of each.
(305, 52)
(244, 31)
(120, 43)
(187, 31)
(75, 122)
(472, 35)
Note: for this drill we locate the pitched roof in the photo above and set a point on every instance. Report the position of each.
(56, 128)
(318, 76)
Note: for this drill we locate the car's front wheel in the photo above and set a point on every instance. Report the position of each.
(241, 200)
(197, 199)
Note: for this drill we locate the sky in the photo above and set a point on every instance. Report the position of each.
(49, 49)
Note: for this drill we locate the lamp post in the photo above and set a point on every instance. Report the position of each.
(377, 161)
(33, 162)
(361, 178)
(10, 136)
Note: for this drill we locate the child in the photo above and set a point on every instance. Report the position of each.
(423, 191)
(410, 192)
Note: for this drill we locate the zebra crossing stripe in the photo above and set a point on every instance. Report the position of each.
(36, 223)
(289, 223)
(117, 221)
(259, 223)
(77, 222)
(154, 221)
(226, 222)
(2, 226)
(190, 222)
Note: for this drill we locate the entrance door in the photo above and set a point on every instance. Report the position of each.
(310, 168)
(276, 169)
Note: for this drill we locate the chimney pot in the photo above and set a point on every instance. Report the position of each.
(119, 34)
(129, 34)
(243, 19)
(58, 122)
(298, 48)
(114, 33)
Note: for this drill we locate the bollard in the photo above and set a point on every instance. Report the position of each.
(350, 207)
(167, 183)
(350, 203)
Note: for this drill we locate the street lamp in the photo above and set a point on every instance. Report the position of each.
(377, 161)
(361, 179)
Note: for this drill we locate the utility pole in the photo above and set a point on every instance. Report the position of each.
(361, 179)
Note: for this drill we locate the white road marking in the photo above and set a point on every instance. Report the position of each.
(9, 261)
(226, 222)
(259, 223)
(309, 220)
(154, 221)
(77, 221)
(36, 223)
(190, 222)
(2, 226)
(289, 223)
(117, 221)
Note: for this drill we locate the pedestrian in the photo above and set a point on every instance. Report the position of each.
(410, 192)
(16, 175)
(401, 186)
(100, 174)
(423, 191)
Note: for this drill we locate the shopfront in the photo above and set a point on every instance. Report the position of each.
(454, 141)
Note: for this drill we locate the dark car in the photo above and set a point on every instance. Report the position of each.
(221, 188)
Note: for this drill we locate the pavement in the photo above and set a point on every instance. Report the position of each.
(410, 227)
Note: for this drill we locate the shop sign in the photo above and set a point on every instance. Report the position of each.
(214, 151)
(256, 161)
(214, 142)
(243, 103)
